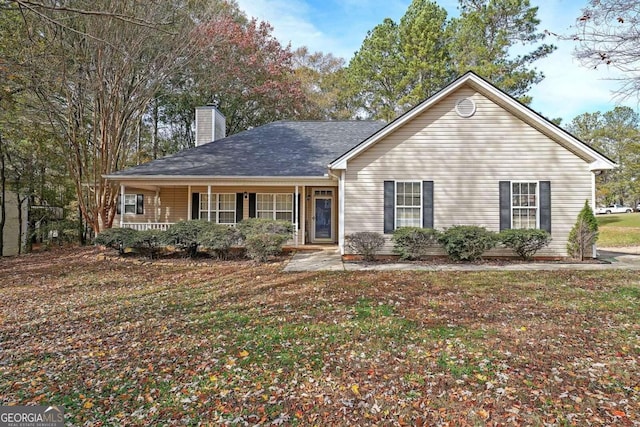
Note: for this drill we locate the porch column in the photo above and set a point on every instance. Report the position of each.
(189, 214)
(156, 207)
(209, 203)
(341, 206)
(121, 205)
(593, 205)
(303, 217)
(295, 219)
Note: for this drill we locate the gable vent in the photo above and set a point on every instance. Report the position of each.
(465, 107)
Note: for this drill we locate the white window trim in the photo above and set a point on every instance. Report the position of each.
(215, 210)
(134, 204)
(396, 206)
(274, 209)
(526, 207)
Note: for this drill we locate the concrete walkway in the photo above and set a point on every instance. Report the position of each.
(330, 260)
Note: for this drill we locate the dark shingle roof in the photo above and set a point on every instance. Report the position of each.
(277, 149)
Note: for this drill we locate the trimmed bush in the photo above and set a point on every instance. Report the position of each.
(261, 246)
(149, 241)
(467, 242)
(365, 243)
(261, 225)
(186, 235)
(220, 238)
(584, 233)
(116, 238)
(414, 242)
(264, 238)
(525, 243)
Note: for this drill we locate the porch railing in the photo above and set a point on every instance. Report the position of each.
(141, 226)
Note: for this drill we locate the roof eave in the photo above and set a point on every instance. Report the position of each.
(210, 177)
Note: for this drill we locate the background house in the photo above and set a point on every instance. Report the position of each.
(11, 233)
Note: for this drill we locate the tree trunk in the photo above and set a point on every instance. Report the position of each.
(3, 198)
(155, 128)
(20, 230)
(82, 230)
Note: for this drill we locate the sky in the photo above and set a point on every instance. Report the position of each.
(340, 26)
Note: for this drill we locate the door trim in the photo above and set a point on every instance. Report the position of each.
(323, 194)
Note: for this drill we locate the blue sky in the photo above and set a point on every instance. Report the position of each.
(340, 26)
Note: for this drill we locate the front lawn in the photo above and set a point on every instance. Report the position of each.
(125, 342)
(619, 230)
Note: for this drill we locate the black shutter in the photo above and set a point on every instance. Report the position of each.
(140, 204)
(427, 204)
(252, 205)
(505, 205)
(545, 206)
(195, 205)
(239, 206)
(119, 204)
(297, 213)
(389, 206)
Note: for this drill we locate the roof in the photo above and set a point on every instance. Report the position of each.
(598, 160)
(279, 149)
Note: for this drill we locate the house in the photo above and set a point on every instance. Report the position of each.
(470, 155)
(13, 239)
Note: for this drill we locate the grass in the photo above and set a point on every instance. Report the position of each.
(118, 342)
(619, 230)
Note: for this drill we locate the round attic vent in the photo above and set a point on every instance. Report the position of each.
(465, 107)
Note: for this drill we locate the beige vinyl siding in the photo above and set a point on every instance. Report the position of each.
(173, 204)
(170, 205)
(466, 158)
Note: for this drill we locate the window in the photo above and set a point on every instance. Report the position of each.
(524, 205)
(275, 206)
(223, 208)
(408, 204)
(130, 203)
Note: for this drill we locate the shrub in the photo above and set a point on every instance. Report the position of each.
(260, 246)
(584, 233)
(186, 235)
(149, 241)
(414, 242)
(264, 238)
(116, 238)
(365, 243)
(261, 225)
(220, 238)
(467, 242)
(525, 243)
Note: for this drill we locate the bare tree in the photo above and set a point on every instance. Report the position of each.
(608, 33)
(95, 78)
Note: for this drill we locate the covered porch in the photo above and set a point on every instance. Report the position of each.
(311, 205)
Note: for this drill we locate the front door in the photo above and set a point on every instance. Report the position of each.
(323, 227)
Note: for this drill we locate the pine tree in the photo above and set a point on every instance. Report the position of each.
(584, 233)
